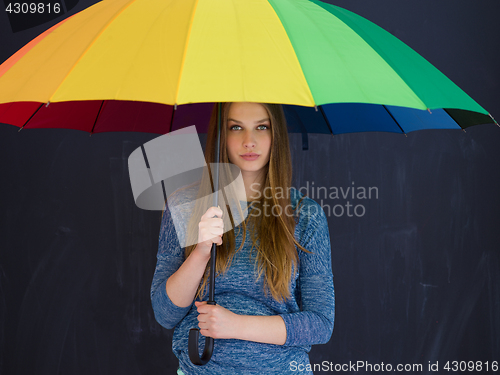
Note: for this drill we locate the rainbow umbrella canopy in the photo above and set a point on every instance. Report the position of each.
(125, 65)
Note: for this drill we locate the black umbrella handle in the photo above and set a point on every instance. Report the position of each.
(194, 353)
(194, 356)
(194, 333)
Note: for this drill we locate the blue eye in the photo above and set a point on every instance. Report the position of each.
(260, 127)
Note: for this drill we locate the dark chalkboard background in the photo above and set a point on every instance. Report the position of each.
(417, 276)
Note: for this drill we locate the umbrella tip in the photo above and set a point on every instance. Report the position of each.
(316, 108)
(428, 109)
(46, 105)
(495, 121)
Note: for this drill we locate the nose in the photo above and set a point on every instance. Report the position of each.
(249, 140)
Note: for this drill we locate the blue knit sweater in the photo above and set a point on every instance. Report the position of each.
(308, 314)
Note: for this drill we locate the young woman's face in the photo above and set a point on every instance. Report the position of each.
(249, 138)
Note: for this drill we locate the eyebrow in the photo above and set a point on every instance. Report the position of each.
(239, 122)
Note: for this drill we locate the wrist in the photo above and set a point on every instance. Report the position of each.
(201, 253)
(239, 327)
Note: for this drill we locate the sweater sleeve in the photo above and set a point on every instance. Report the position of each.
(314, 323)
(170, 257)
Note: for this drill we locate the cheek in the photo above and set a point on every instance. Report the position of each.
(268, 143)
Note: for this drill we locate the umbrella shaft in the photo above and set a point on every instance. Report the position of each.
(211, 293)
(213, 253)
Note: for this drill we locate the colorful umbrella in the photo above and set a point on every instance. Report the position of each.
(301, 52)
(125, 65)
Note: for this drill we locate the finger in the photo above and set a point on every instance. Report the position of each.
(212, 241)
(216, 240)
(215, 222)
(209, 236)
(213, 211)
(205, 332)
(208, 242)
(214, 235)
(208, 312)
(201, 307)
(204, 326)
(216, 229)
(219, 212)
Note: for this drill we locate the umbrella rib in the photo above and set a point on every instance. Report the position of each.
(397, 123)
(495, 121)
(303, 130)
(326, 119)
(34, 113)
(151, 174)
(172, 119)
(97, 117)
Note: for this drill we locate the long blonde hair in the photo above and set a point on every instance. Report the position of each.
(272, 235)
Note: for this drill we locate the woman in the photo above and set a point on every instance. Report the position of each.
(274, 285)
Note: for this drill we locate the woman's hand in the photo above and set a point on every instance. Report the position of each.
(181, 286)
(220, 323)
(216, 321)
(210, 230)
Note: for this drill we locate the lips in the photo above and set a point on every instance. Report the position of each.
(250, 156)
